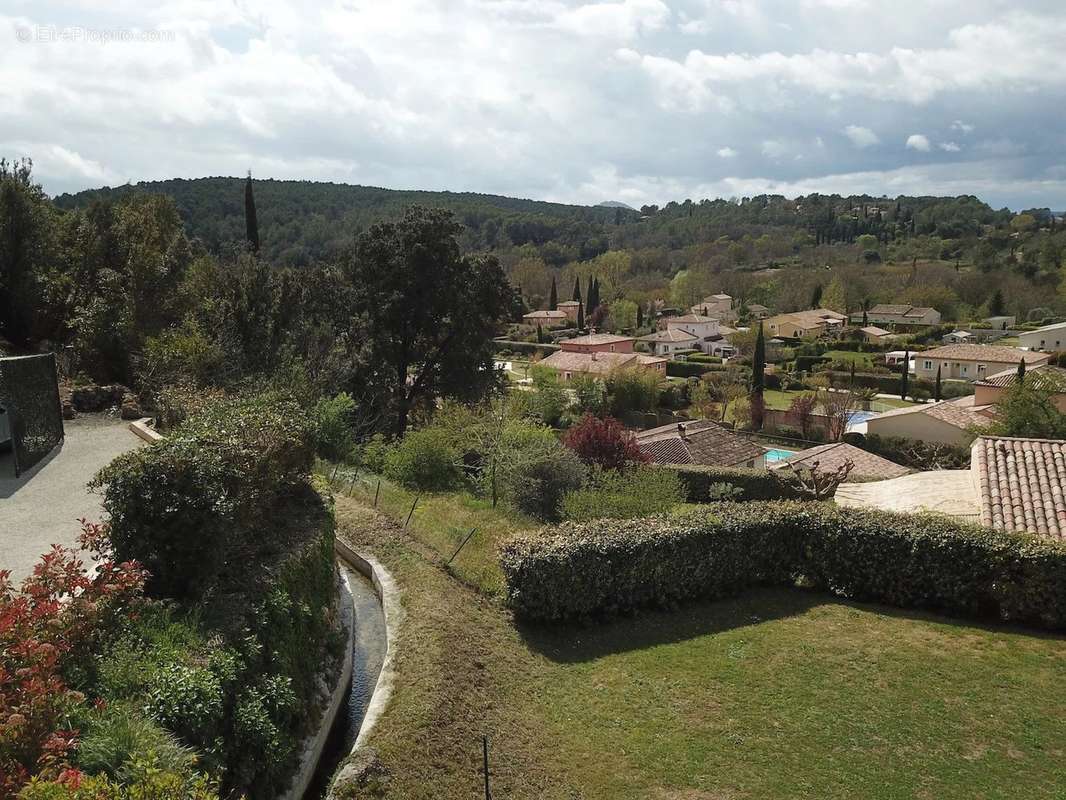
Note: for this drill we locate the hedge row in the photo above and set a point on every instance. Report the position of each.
(890, 384)
(910, 561)
(526, 347)
(690, 369)
(755, 484)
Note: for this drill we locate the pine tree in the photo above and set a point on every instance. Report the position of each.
(251, 223)
(936, 388)
(553, 297)
(577, 289)
(906, 375)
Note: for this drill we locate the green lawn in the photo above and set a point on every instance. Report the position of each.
(776, 694)
(860, 359)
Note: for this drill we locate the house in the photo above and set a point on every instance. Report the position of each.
(991, 390)
(957, 337)
(1000, 323)
(898, 314)
(804, 324)
(707, 331)
(1012, 484)
(598, 343)
(756, 311)
(700, 442)
(569, 363)
(546, 319)
(951, 422)
(894, 357)
(719, 306)
(972, 361)
(830, 457)
(570, 308)
(871, 333)
(670, 341)
(1050, 337)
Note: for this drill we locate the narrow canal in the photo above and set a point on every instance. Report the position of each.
(368, 653)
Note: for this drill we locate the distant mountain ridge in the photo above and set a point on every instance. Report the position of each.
(614, 204)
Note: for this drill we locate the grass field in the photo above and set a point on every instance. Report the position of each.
(776, 694)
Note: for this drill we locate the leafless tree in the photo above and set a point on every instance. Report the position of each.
(813, 482)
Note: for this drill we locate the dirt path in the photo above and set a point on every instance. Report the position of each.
(42, 507)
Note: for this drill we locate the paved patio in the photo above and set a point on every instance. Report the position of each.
(43, 506)
(950, 492)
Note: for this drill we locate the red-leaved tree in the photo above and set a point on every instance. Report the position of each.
(604, 443)
(61, 610)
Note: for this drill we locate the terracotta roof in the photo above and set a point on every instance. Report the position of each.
(597, 363)
(702, 442)
(1043, 376)
(918, 311)
(669, 335)
(1022, 484)
(873, 330)
(598, 338)
(829, 457)
(982, 352)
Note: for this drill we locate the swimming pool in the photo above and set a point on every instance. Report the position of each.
(775, 455)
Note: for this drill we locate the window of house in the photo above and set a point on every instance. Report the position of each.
(928, 365)
(980, 369)
(965, 369)
(612, 348)
(567, 376)
(1041, 342)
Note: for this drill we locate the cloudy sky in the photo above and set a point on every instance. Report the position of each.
(570, 100)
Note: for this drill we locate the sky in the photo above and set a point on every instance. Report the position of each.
(642, 101)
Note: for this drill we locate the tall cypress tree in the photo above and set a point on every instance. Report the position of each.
(590, 297)
(936, 388)
(577, 289)
(906, 375)
(758, 380)
(251, 223)
(640, 315)
(816, 296)
(553, 297)
(580, 315)
(1021, 372)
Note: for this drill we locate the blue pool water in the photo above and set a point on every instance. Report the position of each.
(775, 455)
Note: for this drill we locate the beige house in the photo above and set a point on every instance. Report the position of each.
(948, 422)
(899, 314)
(719, 306)
(1049, 338)
(570, 308)
(990, 391)
(757, 311)
(598, 343)
(567, 364)
(871, 333)
(972, 362)
(670, 341)
(805, 324)
(545, 318)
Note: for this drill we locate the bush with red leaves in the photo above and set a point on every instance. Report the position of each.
(61, 610)
(604, 443)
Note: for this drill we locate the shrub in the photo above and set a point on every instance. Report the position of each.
(912, 561)
(148, 781)
(604, 443)
(119, 737)
(687, 369)
(753, 484)
(332, 418)
(622, 495)
(374, 452)
(913, 453)
(537, 487)
(633, 389)
(424, 460)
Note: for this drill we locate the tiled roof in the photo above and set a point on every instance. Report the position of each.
(829, 457)
(669, 335)
(599, 363)
(918, 311)
(691, 318)
(955, 414)
(1021, 484)
(1058, 326)
(982, 352)
(1043, 376)
(873, 330)
(703, 442)
(889, 308)
(597, 339)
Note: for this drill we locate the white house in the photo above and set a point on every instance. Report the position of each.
(1049, 338)
(707, 331)
(670, 341)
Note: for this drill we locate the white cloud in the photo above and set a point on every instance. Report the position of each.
(964, 127)
(774, 148)
(621, 20)
(727, 152)
(861, 137)
(917, 141)
(949, 147)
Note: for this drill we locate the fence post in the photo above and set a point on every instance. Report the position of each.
(485, 765)
(376, 492)
(412, 511)
(469, 536)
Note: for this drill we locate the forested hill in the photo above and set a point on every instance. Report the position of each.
(304, 221)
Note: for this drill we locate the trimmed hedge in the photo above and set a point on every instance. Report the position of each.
(910, 561)
(890, 384)
(689, 369)
(755, 484)
(527, 348)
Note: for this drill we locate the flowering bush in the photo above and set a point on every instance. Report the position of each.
(61, 611)
(604, 443)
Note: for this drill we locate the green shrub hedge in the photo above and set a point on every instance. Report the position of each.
(690, 369)
(890, 384)
(755, 484)
(527, 348)
(912, 561)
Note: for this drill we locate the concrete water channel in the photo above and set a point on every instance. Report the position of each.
(369, 645)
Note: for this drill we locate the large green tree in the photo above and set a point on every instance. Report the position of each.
(430, 312)
(26, 231)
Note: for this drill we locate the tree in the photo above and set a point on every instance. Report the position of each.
(802, 411)
(758, 380)
(1021, 371)
(604, 443)
(640, 315)
(553, 297)
(26, 228)
(633, 389)
(839, 406)
(815, 483)
(937, 387)
(816, 297)
(540, 334)
(580, 315)
(1028, 410)
(251, 222)
(577, 289)
(622, 315)
(906, 375)
(996, 306)
(834, 297)
(431, 313)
